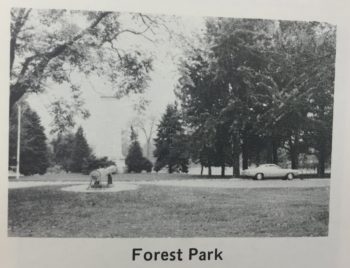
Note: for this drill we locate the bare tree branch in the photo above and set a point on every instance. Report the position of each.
(20, 21)
(38, 69)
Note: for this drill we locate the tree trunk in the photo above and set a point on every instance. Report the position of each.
(110, 179)
(16, 93)
(223, 171)
(209, 171)
(12, 51)
(236, 171)
(235, 155)
(269, 153)
(202, 169)
(294, 161)
(294, 154)
(257, 156)
(321, 161)
(170, 169)
(274, 151)
(245, 155)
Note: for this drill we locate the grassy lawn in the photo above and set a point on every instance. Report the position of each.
(119, 177)
(159, 211)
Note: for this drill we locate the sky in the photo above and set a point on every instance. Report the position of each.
(110, 116)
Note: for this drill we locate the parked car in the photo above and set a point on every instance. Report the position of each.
(270, 171)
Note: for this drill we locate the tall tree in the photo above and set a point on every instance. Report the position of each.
(135, 161)
(34, 158)
(62, 149)
(239, 64)
(48, 45)
(201, 101)
(81, 151)
(220, 84)
(306, 86)
(266, 83)
(171, 142)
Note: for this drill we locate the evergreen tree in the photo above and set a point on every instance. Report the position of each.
(81, 151)
(171, 143)
(62, 154)
(34, 157)
(135, 161)
(94, 162)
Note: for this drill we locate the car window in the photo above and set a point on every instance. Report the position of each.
(270, 166)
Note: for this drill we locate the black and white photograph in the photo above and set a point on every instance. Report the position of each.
(146, 125)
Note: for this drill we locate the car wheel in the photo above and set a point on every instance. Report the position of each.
(290, 176)
(259, 176)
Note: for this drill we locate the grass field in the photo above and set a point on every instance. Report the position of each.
(164, 211)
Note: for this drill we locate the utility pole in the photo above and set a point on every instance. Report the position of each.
(18, 140)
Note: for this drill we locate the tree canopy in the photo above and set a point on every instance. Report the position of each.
(255, 87)
(49, 45)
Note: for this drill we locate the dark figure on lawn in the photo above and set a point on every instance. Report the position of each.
(110, 179)
(98, 175)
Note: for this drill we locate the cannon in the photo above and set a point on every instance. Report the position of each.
(98, 176)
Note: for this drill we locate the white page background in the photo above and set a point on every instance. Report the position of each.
(331, 251)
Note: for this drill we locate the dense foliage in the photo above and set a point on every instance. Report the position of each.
(34, 157)
(171, 143)
(257, 89)
(80, 151)
(72, 153)
(250, 91)
(62, 149)
(135, 161)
